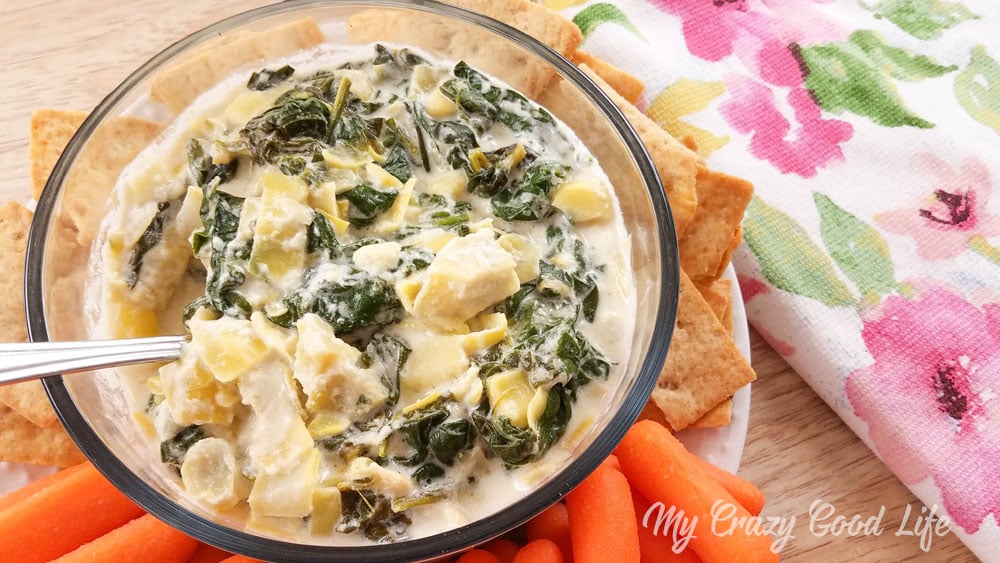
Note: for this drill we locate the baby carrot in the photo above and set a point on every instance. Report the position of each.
(240, 559)
(612, 461)
(25, 492)
(505, 550)
(144, 539)
(552, 524)
(659, 468)
(208, 554)
(61, 517)
(478, 556)
(656, 544)
(539, 551)
(602, 519)
(745, 492)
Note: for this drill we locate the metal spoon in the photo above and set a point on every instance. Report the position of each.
(33, 360)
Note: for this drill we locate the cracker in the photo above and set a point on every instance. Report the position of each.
(707, 245)
(15, 220)
(51, 131)
(720, 415)
(546, 25)
(719, 296)
(703, 366)
(178, 85)
(23, 442)
(113, 145)
(624, 83)
(477, 46)
(28, 399)
(678, 165)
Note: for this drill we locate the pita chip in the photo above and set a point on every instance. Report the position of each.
(178, 85)
(478, 47)
(23, 442)
(678, 165)
(28, 399)
(703, 366)
(628, 86)
(708, 243)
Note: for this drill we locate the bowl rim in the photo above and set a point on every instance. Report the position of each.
(450, 541)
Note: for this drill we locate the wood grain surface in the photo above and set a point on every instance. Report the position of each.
(67, 54)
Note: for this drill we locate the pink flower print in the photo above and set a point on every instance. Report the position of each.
(952, 212)
(713, 28)
(931, 398)
(752, 109)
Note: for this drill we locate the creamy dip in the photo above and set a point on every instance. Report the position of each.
(407, 288)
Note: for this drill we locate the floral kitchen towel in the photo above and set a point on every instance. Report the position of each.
(871, 130)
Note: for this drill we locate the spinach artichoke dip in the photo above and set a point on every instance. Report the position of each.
(407, 289)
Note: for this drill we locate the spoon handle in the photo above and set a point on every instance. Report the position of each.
(33, 360)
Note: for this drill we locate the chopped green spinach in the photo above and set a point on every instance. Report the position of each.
(150, 237)
(172, 451)
(371, 514)
(265, 79)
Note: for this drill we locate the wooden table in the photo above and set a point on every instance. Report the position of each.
(68, 53)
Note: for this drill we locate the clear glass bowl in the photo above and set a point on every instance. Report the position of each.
(92, 406)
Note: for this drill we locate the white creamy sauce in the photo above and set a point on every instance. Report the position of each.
(278, 417)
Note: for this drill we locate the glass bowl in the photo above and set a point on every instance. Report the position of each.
(92, 405)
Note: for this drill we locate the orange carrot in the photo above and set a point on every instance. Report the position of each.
(25, 492)
(613, 462)
(61, 517)
(505, 550)
(602, 519)
(656, 544)
(661, 470)
(208, 554)
(540, 551)
(552, 524)
(745, 492)
(144, 539)
(478, 556)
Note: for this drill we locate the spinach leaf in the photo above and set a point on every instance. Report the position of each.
(414, 258)
(220, 216)
(371, 514)
(513, 445)
(364, 302)
(451, 438)
(267, 79)
(149, 238)
(172, 451)
(555, 417)
(397, 163)
(446, 132)
(528, 199)
(321, 236)
(382, 55)
(298, 123)
(203, 171)
(427, 473)
(392, 354)
(416, 430)
(367, 203)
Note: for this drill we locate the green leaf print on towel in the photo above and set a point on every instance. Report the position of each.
(923, 19)
(855, 76)
(789, 258)
(592, 16)
(977, 88)
(857, 248)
